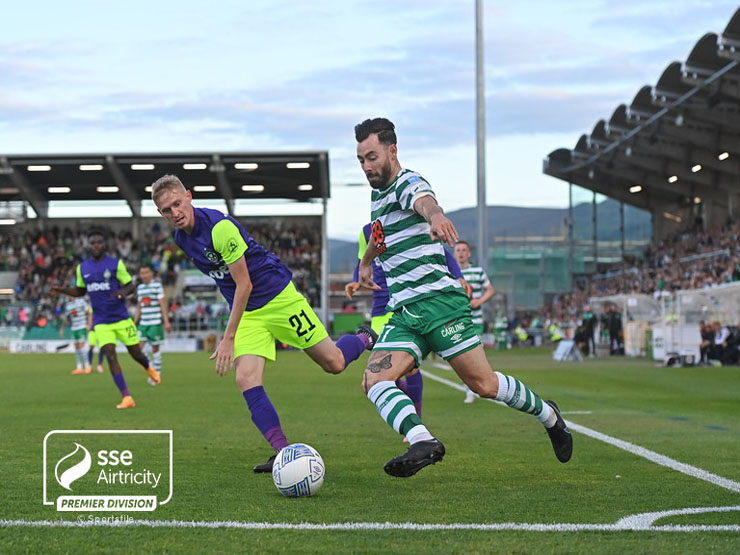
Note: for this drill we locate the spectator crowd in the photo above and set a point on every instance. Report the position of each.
(48, 257)
(691, 260)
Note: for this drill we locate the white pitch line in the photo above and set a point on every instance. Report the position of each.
(652, 456)
(645, 520)
(657, 458)
(360, 526)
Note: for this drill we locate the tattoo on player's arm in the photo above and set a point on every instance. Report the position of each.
(375, 365)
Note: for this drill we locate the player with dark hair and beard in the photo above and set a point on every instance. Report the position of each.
(431, 312)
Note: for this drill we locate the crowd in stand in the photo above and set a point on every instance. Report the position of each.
(48, 257)
(691, 260)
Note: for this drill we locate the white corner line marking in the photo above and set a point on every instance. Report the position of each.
(652, 456)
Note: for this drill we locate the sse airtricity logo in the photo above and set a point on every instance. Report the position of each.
(74, 472)
(107, 470)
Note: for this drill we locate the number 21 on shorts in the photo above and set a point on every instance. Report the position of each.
(297, 322)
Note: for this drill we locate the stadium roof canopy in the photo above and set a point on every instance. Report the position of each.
(38, 179)
(676, 145)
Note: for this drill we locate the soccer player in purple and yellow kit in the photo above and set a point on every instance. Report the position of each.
(106, 282)
(264, 303)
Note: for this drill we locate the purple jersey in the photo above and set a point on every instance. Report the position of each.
(218, 240)
(101, 278)
(381, 296)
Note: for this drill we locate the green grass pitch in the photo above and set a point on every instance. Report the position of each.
(499, 466)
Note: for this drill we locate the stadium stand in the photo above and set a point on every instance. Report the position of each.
(672, 151)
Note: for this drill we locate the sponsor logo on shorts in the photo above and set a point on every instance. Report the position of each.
(452, 329)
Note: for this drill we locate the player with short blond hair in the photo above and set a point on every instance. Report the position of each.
(264, 303)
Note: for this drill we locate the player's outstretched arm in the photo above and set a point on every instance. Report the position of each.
(71, 291)
(224, 353)
(442, 228)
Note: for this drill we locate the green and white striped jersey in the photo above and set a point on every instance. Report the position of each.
(76, 310)
(148, 296)
(415, 265)
(478, 280)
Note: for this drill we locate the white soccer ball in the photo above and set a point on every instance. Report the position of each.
(298, 471)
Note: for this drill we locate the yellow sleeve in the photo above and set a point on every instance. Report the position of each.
(227, 241)
(80, 281)
(362, 245)
(122, 274)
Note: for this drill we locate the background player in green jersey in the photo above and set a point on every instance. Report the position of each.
(430, 310)
(76, 312)
(151, 316)
(482, 291)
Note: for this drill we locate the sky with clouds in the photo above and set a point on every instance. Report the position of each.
(84, 76)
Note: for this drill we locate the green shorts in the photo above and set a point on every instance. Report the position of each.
(152, 334)
(288, 318)
(79, 335)
(377, 322)
(91, 338)
(478, 329)
(123, 331)
(440, 323)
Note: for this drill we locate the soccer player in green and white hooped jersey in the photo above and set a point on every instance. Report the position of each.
(77, 311)
(431, 312)
(151, 315)
(482, 291)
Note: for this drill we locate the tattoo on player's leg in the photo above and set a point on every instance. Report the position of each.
(375, 366)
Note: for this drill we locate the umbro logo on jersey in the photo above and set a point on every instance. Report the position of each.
(86, 275)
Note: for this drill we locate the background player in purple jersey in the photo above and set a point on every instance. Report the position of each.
(414, 384)
(265, 304)
(107, 283)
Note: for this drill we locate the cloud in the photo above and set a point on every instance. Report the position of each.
(667, 19)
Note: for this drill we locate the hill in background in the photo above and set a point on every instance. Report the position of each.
(518, 221)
